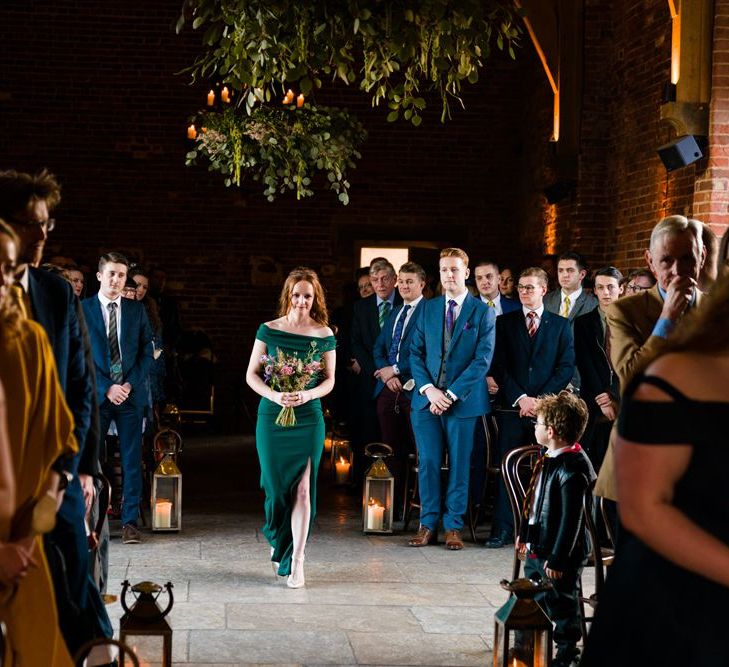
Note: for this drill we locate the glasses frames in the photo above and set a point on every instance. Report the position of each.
(49, 224)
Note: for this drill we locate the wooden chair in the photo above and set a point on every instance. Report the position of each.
(599, 559)
(516, 469)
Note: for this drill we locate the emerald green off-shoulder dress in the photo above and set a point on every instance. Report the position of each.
(285, 451)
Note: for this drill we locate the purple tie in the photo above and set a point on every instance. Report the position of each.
(450, 319)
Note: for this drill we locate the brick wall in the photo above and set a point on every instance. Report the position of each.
(89, 90)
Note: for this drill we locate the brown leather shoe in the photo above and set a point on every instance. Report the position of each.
(424, 537)
(453, 540)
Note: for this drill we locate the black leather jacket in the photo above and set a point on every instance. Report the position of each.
(559, 535)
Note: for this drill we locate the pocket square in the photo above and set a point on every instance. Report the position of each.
(467, 326)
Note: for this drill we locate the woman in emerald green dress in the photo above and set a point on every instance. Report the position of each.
(290, 455)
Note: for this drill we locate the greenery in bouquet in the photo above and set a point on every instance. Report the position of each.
(283, 147)
(290, 373)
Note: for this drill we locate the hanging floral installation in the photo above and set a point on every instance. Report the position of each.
(393, 51)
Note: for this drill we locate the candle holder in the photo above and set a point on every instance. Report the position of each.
(144, 626)
(523, 635)
(342, 460)
(379, 491)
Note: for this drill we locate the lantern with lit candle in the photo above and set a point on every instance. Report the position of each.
(144, 627)
(166, 502)
(342, 459)
(523, 635)
(379, 491)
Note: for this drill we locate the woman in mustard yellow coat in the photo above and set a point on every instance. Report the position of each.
(39, 431)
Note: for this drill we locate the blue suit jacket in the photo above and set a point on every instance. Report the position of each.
(54, 307)
(384, 340)
(136, 347)
(532, 366)
(468, 357)
(509, 305)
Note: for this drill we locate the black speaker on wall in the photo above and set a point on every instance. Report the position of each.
(681, 152)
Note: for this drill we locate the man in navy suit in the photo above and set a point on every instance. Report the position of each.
(392, 359)
(121, 338)
(486, 276)
(368, 318)
(534, 356)
(450, 352)
(26, 202)
(600, 385)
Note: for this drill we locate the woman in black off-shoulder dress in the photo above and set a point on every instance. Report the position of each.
(666, 596)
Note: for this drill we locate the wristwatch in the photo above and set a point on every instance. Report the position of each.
(396, 369)
(65, 480)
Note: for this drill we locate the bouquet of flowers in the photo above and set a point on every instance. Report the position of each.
(289, 373)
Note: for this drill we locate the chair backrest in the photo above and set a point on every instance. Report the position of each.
(491, 434)
(516, 469)
(587, 505)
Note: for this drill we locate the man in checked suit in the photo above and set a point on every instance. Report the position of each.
(450, 352)
(368, 319)
(392, 359)
(534, 356)
(121, 339)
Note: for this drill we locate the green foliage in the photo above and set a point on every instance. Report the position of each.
(280, 146)
(393, 49)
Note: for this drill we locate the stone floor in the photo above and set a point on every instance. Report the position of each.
(369, 600)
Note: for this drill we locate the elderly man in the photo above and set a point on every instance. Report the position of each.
(640, 324)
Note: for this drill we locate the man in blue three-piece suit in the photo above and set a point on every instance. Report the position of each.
(534, 356)
(451, 350)
(392, 361)
(121, 339)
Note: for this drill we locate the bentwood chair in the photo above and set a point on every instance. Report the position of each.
(516, 469)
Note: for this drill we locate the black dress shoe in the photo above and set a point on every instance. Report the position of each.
(498, 541)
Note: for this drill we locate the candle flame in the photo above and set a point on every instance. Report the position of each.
(373, 503)
(342, 460)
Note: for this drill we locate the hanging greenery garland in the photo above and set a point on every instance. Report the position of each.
(393, 49)
(283, 147)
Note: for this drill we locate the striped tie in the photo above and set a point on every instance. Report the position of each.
(385, 307)
(116, 366)
(566, 307)
(532, 325)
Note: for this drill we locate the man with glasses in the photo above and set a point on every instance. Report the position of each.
(534, 355)
(26, 202)
(639, 281)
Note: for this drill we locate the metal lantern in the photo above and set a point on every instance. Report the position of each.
(523, 636)
(166, 502)
(379, 491)
(342, 459)
(167, 442)
(144, 627)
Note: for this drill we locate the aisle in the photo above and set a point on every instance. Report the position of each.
(368, 600)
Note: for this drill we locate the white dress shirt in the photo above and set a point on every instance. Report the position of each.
(413, 305)
(105, 312)
(497, 303)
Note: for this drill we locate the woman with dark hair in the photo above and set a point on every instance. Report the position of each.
(157, 371)
(290, 456)
(666, 597)
(39, 432)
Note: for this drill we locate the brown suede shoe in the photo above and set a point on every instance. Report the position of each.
(424, 537)
(453, 541)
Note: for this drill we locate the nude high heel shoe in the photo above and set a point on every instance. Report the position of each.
(296, 578)
(274, 566)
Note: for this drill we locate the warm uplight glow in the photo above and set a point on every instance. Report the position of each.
(675, 47)
(550, 229)
(396, 256)
(555, 121)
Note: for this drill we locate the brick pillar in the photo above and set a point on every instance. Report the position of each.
(711, 190)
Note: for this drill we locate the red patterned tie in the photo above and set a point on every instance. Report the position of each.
(532, 323)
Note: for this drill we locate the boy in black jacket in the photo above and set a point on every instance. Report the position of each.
(552, 534)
